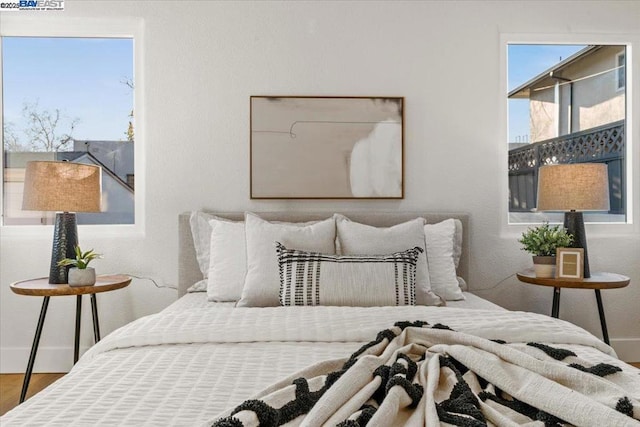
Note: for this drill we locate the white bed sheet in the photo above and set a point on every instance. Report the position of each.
(199, 300)
(219, 357)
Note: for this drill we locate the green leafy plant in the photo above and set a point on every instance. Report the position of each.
(545, 239)
(81, 260)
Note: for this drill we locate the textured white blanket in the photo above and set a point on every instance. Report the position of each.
(184, 366)
(416, 375)
(333, 324)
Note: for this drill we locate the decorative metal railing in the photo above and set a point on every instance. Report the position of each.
(602, 144)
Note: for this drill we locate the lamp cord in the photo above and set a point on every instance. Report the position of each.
(494, 286)
(152, 280)
(173, 287)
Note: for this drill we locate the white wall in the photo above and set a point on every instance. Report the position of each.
(204, 59)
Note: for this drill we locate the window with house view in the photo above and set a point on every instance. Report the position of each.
(567, 104)
(69, 99)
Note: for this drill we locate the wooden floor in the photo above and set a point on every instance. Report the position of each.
(11, 385)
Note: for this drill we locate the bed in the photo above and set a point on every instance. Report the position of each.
(197, 360)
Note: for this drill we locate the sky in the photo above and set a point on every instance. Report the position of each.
(80, 76)
(524, 62)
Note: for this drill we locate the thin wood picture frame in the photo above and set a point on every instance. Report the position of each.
(570, 263)
(326, 147)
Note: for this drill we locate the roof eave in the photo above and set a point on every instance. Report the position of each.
(519, 92)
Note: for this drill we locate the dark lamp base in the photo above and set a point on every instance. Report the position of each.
(65, 239)
(574, 223)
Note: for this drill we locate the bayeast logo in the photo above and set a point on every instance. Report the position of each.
(41, 3)
(31, 5)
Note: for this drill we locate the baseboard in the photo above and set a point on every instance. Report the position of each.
(627, 349)
(48, 359)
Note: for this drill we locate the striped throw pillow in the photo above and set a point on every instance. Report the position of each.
(312, 278)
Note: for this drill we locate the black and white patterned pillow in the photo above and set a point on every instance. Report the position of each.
(311, 278)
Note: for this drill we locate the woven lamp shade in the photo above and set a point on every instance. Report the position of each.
(579, 187)
(62, 187)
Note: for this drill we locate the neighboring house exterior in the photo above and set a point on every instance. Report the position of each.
(577, 115)
(584, 91)
(117, 185)
(117, 156)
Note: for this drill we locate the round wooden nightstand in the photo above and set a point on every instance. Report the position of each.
(42, 288)
(596, 282)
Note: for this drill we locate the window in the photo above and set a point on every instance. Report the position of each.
(69, 98)
(566, 104)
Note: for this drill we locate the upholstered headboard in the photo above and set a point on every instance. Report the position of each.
(189, 273)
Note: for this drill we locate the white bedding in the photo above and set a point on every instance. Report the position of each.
(199, 300)
(190, 362)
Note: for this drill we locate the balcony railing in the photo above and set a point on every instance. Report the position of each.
(602, 144)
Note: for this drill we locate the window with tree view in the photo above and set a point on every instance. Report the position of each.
(69, 99)
(567, 104)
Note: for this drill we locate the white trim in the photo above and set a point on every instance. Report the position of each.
(38, 26)
(632, 163)
(30, 25)
(1, 130)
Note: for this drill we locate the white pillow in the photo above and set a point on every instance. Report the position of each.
(200, 286)
(361, 239)
(228, 260)
(262, 282)
(440, 256)
(457, 242)
(201, 233)
(312, 278)
(462, 284)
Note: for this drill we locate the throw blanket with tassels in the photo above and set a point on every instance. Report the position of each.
(415, 374)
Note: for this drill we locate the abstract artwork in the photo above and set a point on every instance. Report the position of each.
(326, 147)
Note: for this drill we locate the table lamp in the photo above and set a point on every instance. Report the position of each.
(66, 188)
(574, 188)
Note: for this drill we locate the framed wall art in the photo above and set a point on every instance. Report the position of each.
(305, 147)
(570, 263)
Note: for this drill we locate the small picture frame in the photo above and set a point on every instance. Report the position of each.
(570, 263)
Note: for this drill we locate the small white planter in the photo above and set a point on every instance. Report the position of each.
(544, 266)
(82, 277)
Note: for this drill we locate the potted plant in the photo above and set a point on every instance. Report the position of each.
(542, 242)
(81, 274)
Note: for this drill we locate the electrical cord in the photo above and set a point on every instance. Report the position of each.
(152, 280)
(174, 287)
(496, 285)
